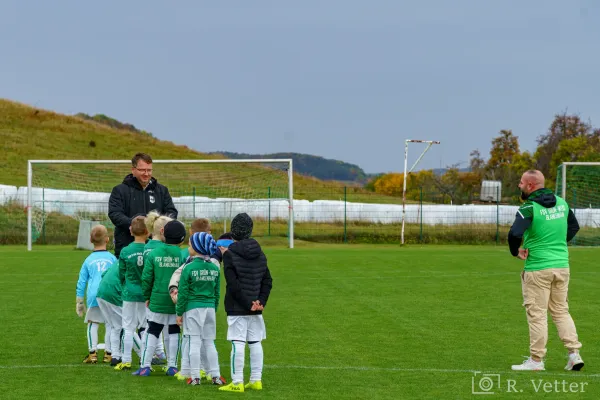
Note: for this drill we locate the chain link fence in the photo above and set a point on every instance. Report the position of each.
(346, 215)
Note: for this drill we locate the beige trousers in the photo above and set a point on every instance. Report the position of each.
(542, 291)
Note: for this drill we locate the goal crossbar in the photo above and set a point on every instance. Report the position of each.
(290, 175)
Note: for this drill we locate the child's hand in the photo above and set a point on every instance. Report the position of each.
(256, 306)
(173, 294)
(147, 303)
(79, 306)
(179, 320)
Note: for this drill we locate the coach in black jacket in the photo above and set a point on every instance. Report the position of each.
(139, 194)
(246, 272)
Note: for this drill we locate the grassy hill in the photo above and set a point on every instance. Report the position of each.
(31, 133)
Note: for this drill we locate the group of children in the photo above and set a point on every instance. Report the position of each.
(156, 288)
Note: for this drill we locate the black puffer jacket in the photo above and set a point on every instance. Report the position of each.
(247, 276)
(129, 199)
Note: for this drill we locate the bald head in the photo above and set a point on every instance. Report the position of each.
(99, 235)
(531, 181)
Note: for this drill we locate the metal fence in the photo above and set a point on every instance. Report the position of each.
(345, 215)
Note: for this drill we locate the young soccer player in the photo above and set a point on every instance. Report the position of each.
(131, 265)
(111, 305)
(155, 223)
(158, 268)
(249, 284)
(198, 300)
(198, 225)
(89, 276)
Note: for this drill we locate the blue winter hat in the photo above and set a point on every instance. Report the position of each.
(203, 243)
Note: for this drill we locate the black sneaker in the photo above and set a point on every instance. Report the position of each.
(115, 361)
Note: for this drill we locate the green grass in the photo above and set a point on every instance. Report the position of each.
(343, 321)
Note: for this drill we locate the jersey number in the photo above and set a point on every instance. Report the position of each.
(101, 266)
(140, 261)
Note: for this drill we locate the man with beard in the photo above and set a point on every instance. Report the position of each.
(544, 224)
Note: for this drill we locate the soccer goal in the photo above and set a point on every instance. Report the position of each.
(406, 143)
(66, 197)
(578, 183)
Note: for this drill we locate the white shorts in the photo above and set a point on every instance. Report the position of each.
(134, 315)
(112, 314)
(94, 314)
(163, 319)
(200, 321)
(246, 328)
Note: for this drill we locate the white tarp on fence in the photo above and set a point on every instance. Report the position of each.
(78, 203)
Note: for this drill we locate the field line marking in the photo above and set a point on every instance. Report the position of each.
(341, 368)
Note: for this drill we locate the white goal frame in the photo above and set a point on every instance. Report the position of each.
(289, 161)
(406, 142)
(563, 171)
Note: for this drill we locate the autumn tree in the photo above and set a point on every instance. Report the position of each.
(504, 148)
(477, 163)
(563, 127)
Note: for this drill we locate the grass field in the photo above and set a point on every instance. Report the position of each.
(361, 322)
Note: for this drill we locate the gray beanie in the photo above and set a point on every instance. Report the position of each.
(241, 226)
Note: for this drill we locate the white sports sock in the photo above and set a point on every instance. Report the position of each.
(149, 347)
(237, 361)
(115, 341)
(185, 356)
(212, 358)
(172, 349)
(137, 345)
(107, 343)
(160, 347)
(203, 362)
(128, 340)
(92, 335)
(256, 361)
(194, 354)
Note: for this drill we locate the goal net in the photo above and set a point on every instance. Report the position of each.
(578, 183)
(64, 194)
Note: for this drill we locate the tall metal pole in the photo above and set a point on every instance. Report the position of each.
(404, 190)
(29, 211)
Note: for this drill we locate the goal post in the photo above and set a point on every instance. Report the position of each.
(577, 183)
(62, 192)
(406, 143)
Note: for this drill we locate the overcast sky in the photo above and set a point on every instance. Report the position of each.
(343, 79)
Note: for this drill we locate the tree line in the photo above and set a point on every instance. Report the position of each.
(568, 138)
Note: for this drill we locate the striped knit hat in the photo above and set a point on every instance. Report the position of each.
(203, 243)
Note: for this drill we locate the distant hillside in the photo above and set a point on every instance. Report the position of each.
(315, 166)
(29, 133)
(113, 123)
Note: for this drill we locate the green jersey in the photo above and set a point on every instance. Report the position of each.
(110, 286)
(151, 245)
(185, 253)
(159, 266)
(131, 265)
(199, 286)
(546, 237)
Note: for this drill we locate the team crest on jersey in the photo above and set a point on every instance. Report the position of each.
(152, 199)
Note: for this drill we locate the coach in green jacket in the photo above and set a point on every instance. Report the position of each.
(544, 224)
